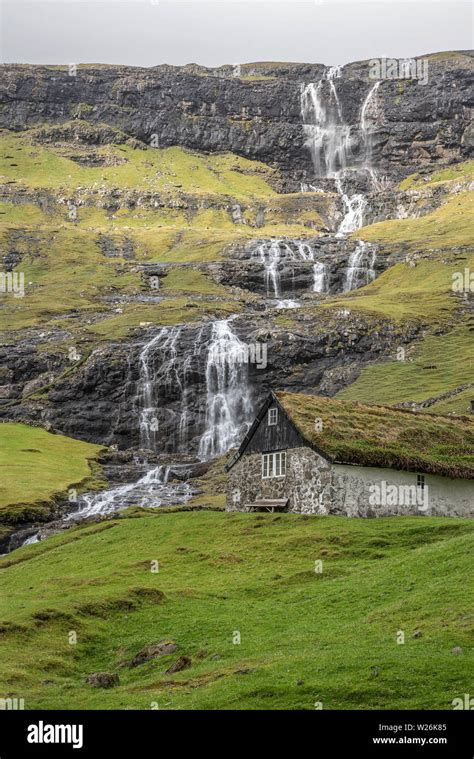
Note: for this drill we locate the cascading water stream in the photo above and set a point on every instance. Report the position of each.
(320, 277)
(228, 414)
(229, 403)
(166, 343)
(151, 490)
(270, 256)
(328, 138)
(277, 253)
(354, 215)
(360, 270)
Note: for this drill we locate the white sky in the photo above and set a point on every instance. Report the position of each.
(149, 32)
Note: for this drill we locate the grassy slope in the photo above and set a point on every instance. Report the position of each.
(305, 637)
(62, 260)
(36, 466)
(447, 226)
(436, 365)
(168, 170)
(422, 291)
(402, 292)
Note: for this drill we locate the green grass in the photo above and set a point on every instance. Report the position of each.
(189, 280)
(448, 226)
(166, 313)
(463, 171)
(304, 636)
(422, 292)
(170, 170)
(37, 466)
(436, 365)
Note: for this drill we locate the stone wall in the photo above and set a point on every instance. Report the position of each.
(315, 487)
(307, 483)
(352, 493)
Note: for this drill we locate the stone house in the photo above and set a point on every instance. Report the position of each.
(315, 455)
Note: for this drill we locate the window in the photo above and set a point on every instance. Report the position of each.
(272, 416)
(420, 481)
(274, 464)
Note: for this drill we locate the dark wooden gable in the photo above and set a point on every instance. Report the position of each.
(265, 438)
(275, 437)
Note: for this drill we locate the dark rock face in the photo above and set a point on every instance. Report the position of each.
(295, 275)
(184, 662)
(100, 401)
(212, 110)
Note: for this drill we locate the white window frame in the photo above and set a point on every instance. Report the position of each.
(273, 465)
(272, 416)
(420, 481)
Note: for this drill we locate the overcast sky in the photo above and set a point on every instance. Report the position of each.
(149, 32)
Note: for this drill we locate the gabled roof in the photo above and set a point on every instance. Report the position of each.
(376, 436)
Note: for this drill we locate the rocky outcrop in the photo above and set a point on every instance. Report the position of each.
(99, 401)
(418, 126)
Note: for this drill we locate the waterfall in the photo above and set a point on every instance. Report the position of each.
(327, 135)
(273, 254)
(360, 270)
(369, 116)
(329, 141)
(165, 343)
(369, 112)
(150, 490)
(229, 404)
(320, 277)
(270, 255)
(354, 206)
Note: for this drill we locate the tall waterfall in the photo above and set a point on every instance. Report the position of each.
(360, 270)
(328, 138)
(165, 344)
(229, 403)
(369, 116)
(270, 255)
(228, 413)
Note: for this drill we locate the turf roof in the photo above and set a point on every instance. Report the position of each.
(382, 436)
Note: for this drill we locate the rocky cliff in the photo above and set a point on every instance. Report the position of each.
(254, 111)
(143, 206)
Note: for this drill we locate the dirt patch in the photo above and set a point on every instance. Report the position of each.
(153, 651)
(184, 662)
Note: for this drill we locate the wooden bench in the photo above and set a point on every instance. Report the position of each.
(268, 504)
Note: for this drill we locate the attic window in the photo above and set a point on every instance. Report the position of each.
(420, 481)
(272, 416)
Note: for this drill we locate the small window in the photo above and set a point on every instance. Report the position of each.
(420, 481)
(272, 416)
(274, 464)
